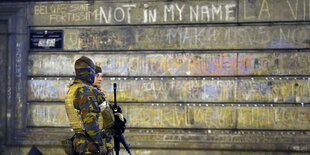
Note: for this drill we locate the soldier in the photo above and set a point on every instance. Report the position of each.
(107, 132)
(83, 110)
(98, 77)
(112, 132)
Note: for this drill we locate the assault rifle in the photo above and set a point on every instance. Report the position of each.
(119, 127)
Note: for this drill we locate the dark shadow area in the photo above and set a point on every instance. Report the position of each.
(3, 79)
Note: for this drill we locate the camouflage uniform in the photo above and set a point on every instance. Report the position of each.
(108, 136)
(83, 110)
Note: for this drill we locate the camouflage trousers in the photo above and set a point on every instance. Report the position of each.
(108, 141)
(83, 146)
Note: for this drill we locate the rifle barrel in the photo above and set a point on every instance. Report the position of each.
(115, 87)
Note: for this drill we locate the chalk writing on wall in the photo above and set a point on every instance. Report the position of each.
(217, 136)
(185, 37)
(181, 90)
(47, 115)
(194, 116)
(47, 89)
(135, 13)
(266, 10)
(177, 64)
(216, 117)
(169, 12)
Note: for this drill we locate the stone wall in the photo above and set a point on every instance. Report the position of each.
(191, 75)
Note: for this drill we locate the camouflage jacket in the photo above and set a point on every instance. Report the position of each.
(86, 102)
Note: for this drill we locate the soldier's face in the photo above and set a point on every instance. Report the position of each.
(98, 80)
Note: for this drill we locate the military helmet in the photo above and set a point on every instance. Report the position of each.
(84, 62)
